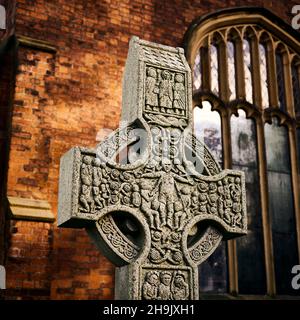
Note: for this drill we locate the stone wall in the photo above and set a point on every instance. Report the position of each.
(61, 100)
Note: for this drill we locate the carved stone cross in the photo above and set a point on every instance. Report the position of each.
(151, 195)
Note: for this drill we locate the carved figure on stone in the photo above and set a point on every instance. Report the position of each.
(166, 188)
(179, 215)
(150, 167)
(203, 201)
(229, 192)
(236, 208)
(146, 200)
(179, 94)
(114, 192)
(164, 289)
(97, 178)
(150, 286)
(195, 202)
(212, 198)
(152, 90)
(180, 287)
(166, 92)
(136, 196)
(221, 199)
(185, 194)
(179, 167)
(86, 198)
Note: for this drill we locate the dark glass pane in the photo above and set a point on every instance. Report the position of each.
(231, 70)
(197, 72)
(243, 140)
(281, 205)
(280, 81)
(277, 148)
(207, 128)
(248, 71)
(251, 270)
(263, 76)
(214, 70)
(213, 272)
(296, 88)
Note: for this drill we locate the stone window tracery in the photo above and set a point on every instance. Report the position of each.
(249, 75)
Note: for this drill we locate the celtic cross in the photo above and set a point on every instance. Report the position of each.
(151, 195)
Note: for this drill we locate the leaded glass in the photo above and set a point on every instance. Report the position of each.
(281, 207)
(250, 251)
(214, 69)
(248, 71)
(280, 81)
(197, 72)
(263, 76)
(296, 88)
(231, 70)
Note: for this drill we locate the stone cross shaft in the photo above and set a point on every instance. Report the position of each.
(151, 195)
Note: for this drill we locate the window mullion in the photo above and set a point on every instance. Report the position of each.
(223, 72)
(256, 82)
(295, 71)
(205, 65)
(239, 58)
(267, 230)
(288, 84)
(231, 244)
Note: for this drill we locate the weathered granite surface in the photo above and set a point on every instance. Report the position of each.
(151, 195)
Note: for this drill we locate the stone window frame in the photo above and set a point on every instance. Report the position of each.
(261, 26)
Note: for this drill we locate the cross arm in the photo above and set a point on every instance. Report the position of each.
(222, 199)
(69, 214)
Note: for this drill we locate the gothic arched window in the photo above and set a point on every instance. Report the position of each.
(246, 81)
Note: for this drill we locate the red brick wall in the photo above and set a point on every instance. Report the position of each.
(62, 99)
(29, 265)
